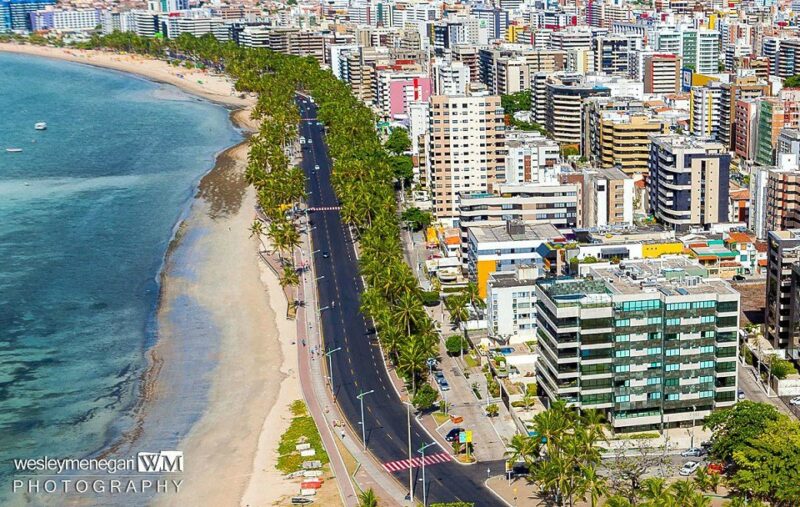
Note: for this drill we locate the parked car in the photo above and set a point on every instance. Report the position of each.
(452, 435)
(439, 376)
(705, 444)
(688, 468)
(443, 385)
(795, 401)
(738, 278)
(694, 452)
(740, 395)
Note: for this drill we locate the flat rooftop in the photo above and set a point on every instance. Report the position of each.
(527, 232)
(671, 276)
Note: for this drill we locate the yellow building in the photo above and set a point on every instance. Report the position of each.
(625, 141)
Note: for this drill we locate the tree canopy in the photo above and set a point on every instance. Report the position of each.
(398, 141)
(734, 427)
(417, 218)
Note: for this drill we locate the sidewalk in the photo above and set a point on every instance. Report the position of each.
(313, 379)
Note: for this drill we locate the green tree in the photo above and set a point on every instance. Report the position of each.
(733, 428)
(398, 141)
(792, 81)
(367, 499)
(416, 218)
(455, 344)
(515, 102)
(767, 466)
(289, 276)
(402, 168)
(425, 397)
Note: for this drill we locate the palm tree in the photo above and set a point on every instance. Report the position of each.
(367, 499)
(408, 311)
(472, 293)
(617, 501)
(592, 485)
(289, 276)
(522, 448)
(698, 500)
(683, 491)
(656, 493)
(529, 398)
(412, 360)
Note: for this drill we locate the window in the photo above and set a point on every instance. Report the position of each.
(671, 382)
(707, 319)
(655, 364)
(622, 368)
(622, 353)
(707, 349)
(673, 352)
(652, 381)
(650, 304)
(654, 320)
(624, 398)
(623, 322)
(673, 367)
(673, 396)
(703, 304)
(706, 394)
(654, 396)
(706, 364)
(622, 337)
(706, 379)
(673, 322)
(653, 350)
(654, 336)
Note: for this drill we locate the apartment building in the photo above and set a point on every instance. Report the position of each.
(607, 198)
(783, 254)
(551, 203)
(700, 50)
(511, 305)
(505, 248)
(530, 158)
(774, 114)
(65, 20)
(662, 73)
(782, 198)
(705, 109)
(611, 54)
(746, 121)
(651, 344)
(740, 88)
(562, 102)
(688, 181)
(450, 78)
(622, 139)
(466, 146)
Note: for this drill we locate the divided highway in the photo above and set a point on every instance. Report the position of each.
(358, 366)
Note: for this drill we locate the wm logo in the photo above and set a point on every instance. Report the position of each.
(157, 462)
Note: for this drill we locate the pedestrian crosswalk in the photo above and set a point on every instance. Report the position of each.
(325, 208)
(405, 464)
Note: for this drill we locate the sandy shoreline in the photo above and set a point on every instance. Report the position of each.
(230, 452)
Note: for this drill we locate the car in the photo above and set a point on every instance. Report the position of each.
(688, 468)
(740, 395)
(694, 452)
(444, 386)
(715, 468)
(795, 401)
(316, 167)
(302, 140)
(439, 376)
(705, 444)
(452, 435)
(325, 255)
(310, 141)
(738, 278)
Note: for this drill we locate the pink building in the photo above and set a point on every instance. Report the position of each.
(403, 91)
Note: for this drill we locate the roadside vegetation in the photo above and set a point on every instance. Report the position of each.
(302, 430)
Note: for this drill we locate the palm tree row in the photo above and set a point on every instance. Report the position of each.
(362, 176)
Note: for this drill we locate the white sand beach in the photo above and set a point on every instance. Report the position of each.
(231, 452)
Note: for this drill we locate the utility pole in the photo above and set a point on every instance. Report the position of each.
(410, 455)
(360, 397)
(424, 490)
(328, 354)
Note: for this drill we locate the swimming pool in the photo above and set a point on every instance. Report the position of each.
(506, 351)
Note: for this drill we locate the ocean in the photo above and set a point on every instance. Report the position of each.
(87, 212)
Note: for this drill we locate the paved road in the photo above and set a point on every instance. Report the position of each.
(359, 365)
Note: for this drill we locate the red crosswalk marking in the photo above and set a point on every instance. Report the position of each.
(325, 208)
(404, 464)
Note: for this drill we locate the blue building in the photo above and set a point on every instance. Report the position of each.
(15, 14)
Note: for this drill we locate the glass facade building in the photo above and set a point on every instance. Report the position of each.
(651, 343)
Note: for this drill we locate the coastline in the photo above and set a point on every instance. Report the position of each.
(231, 449)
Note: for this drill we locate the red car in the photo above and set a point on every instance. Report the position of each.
(715, 468)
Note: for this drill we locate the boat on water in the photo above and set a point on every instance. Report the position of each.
(40, 126)
(13, 150)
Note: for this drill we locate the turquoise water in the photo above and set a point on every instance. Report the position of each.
(87, 211)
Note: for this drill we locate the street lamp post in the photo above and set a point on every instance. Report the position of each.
(328, 354)
(360, 397)
(410, 455)
(424, 490)
(691, 444)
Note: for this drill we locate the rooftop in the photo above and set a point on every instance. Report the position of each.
(515, 232)
(670, 276)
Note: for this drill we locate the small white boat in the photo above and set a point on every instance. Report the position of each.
(14, 150)
(40, 126)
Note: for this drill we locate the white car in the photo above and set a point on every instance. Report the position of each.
(688, 468)
(316, 168)
(795, 401)
(309, 141)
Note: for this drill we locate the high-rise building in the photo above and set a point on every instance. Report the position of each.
(466, 148)
(688, 181)
(611, 54)
(450, 78)
(774, 114)
(623, 139)
(783, 252)
(607, 198)
(740, 88)
(562, 104)
(705, 110)
(746, 117)
(16, 14)
(652, 344)
(700, 50)
(662, 73)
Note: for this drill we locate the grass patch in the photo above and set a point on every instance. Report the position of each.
(440, 418)
(471, 361)
(637, 436)
(301, 430)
